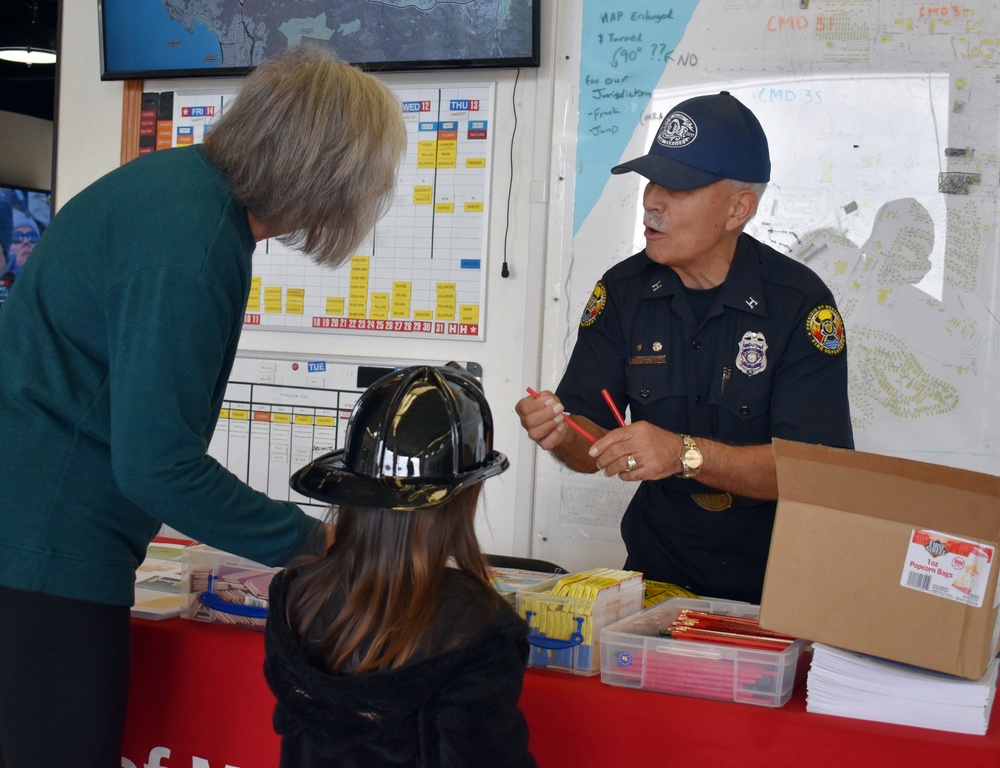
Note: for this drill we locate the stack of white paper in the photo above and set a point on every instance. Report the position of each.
(854, 685)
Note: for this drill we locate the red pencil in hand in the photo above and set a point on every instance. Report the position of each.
(614, 408)
(568, 420)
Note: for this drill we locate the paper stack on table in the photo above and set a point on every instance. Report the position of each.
(158, 580)
(850, 684)
(507, 581)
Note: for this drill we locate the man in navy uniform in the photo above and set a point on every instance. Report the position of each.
(717, 343)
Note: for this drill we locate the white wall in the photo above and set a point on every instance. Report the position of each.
(89, 137)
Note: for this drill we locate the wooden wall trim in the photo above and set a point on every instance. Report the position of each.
(131, 108)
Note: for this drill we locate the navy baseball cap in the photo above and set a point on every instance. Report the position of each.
(704, 140)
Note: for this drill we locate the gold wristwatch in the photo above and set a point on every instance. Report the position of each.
(691, 457)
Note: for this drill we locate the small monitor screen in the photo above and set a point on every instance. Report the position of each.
(143, 39)
(24, 215)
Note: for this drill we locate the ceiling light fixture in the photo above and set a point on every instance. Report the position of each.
(30, 44)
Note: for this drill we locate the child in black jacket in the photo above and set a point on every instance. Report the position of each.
(392, 649)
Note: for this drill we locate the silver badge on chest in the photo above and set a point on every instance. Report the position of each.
(752, 356)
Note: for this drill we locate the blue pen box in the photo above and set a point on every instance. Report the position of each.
(565, 616)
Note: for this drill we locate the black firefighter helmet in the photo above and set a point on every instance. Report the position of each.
(415, 438)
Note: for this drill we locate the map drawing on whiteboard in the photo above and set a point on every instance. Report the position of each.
(421, 271)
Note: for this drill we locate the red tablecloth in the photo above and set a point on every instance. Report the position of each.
(199, 700)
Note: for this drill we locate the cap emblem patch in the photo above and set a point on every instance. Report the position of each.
(677, 130)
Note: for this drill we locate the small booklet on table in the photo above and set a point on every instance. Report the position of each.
(158, 580)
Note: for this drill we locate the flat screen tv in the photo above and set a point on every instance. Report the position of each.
(149, 39)
(24, 215)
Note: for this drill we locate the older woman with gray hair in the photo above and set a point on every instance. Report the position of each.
(117, 346)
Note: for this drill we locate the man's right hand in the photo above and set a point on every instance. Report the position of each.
(542, 419)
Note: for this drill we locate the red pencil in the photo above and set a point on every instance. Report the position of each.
(728, 638)
(613, 407)
(726, 624)
(568, 420)
(723, 616)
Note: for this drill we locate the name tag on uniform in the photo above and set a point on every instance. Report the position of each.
(647, 360)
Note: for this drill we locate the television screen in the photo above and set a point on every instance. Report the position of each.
(156, 38)
(24, 215)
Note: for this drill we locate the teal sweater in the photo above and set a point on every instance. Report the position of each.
(115, 348)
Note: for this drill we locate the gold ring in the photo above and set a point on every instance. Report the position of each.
(630, 463)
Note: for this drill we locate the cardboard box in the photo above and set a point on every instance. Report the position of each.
(885, 556)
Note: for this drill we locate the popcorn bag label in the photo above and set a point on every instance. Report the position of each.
(948, 567)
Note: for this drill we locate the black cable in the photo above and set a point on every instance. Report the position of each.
(504, 271)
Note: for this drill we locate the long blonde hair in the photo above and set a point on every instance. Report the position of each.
(311, 146)
(383, 577)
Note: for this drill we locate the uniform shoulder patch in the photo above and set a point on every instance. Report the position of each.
(825, 328)
(595, 305)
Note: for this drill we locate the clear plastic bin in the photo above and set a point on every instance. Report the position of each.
(565, 632)
(224, 588)
(634, 655)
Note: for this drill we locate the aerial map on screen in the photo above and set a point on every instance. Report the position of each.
(175, 36)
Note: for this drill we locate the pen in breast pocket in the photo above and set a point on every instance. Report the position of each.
(727, 374)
